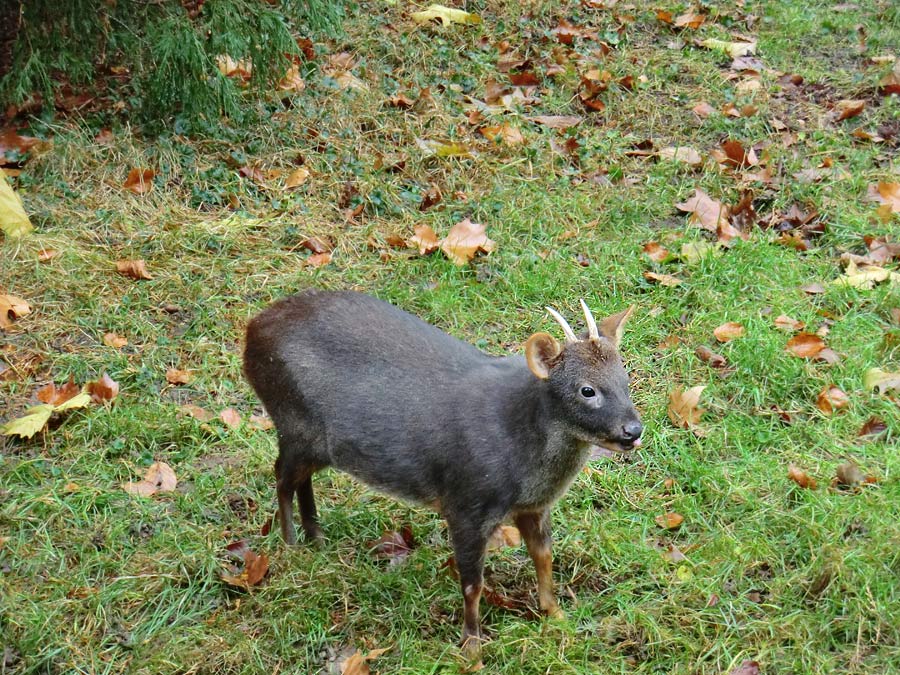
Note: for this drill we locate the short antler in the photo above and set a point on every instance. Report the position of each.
(567, 329)
(593, 333)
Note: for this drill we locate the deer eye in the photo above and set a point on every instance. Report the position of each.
(588, 392)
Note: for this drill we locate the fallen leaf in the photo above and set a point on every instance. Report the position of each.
(12, 142)
(465, 240)
(317, 244)
(56, 396)
(425, 239)
(872, 427)
(681, 153)
(669, 521)
(831, 399)
(296, 178)
(159, 478)
(813, 289)
(14, 222)
(674, 554)
(241, 69)
(786, 323)
(662, 279)
(395, 546)
(694, 251)
(291, 80)
(805, 345)
(880, 381)
(48, 254)
(175, 376)
(231, 418)
(505, 536)
(12, 307)
(139, 181)
(260, 422)
(255, 569)
(849, 475)
(746, 668)
(865, 278)
(134, 269)
(195, 411)
(28, 425)
(557, 121)
(689, 20)
(446, 15)
(504, 133)
(800, 477)
(683, 407)
(705, 211)
(318, 259)
(656, 252)
(848, 108)
(357, 664)
(886, 193)
(703, 109)
(707, 355)
(115, 341)
(733, 49)
(444, 148)
(104, 389)
(729, 331)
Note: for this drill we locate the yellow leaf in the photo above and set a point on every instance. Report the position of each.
(876, 378)
(28, 425)
(444, 149)
(78, 401)
(733, 49)
(447, 15)
(13, 219)
(865, 278)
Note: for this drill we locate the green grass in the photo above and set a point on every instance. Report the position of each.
(93, 580)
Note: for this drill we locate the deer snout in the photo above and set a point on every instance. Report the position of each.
(632, 430)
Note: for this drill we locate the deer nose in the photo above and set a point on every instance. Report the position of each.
(632, 430)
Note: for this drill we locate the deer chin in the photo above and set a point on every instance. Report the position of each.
(619, 447)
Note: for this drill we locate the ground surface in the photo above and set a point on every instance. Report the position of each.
(95, 580)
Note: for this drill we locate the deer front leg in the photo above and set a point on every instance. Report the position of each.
(469, 543)
(535, 529)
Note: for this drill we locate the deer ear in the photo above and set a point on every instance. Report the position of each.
(541, 351)
(613, 326)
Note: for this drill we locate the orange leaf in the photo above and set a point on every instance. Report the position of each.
(683, 407)
(139, 181)
(886, 193)
(198, 413)
(669, 521)
(231, 418)
(784, 322)
(655, 251)
(115, 341)
(799, 476)
(104, 389)
(504, 133)
(318, 259)
(296, 178)
(831, 399)
(159, 478)
(135, 269)
(175, 376)
(53, 396)
(12, 307)
(805, 345)
(425, 239)
(729, 331)
(705, 211)
(848, 108)
(662, 279)
(689, 20)
(465, 240)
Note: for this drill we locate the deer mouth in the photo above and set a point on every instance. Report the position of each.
(621, 445)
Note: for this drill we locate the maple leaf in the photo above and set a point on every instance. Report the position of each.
(683, 407)
(12, 307)
(706, 211)
(139, 181)
(14, 221)
(56, 396)
(886, 193)
(656, 252)
(465, 240)
(425, 239)
(159, 478)
(505, 133)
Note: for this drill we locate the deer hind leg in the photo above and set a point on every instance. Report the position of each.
(535, 529)
(293, 473)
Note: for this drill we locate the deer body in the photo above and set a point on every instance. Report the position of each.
(358, 384)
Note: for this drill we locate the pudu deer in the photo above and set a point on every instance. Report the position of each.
(358, 384)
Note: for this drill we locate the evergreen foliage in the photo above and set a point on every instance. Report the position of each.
(164, 52)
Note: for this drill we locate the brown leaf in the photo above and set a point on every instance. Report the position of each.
(557, 121)
(813, 289)
(296, 178)
(104, 389)
(848, 108)
(746, 668)
(425, 239)
(56, 396)
(504, 536)
(805, 345)
(656, 251)
(786, 323)
(849, 475)
(395, 546)
(735, 155)
(48, 254)
(134, 269)
(260, 422)
(231, 418)
(175, 376)
(198, 413)
(669, 521)
(255, 569)
(525, 78)
(115, 341)
(12, 307)
(705, 211)
(703, 109)
(707, 355)
(159, 478)
(681, 153)
(729, 331)
(431, 197)
(872, 427)
(318, 259)
(291, 80)
(886, 193)
(683, 407)
(662, 279)
(465, 240)
(504, 133)
(690, 20)
(800, 477)
(831, 399)
(139, 181)
(317, 244)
